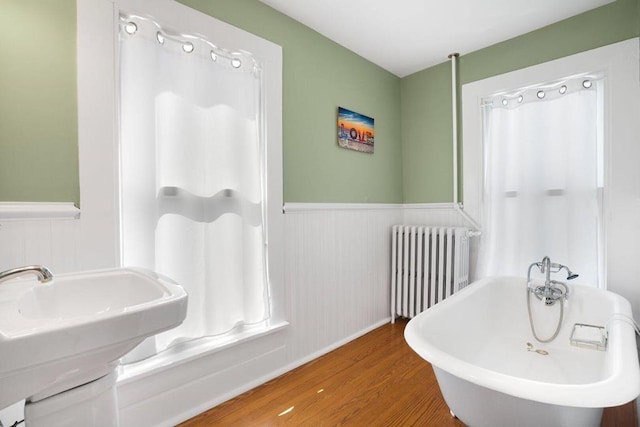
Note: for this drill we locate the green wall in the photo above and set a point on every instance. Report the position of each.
(38, 108)
(426, 95)
(412, 159)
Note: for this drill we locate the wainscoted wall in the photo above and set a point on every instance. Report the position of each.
(49, 242)
(39, 233)
(337, 276)
(338, 269)
(336, 273)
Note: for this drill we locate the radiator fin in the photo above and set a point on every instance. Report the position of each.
(428, 264)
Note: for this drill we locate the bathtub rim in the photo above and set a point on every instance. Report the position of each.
(621, 386)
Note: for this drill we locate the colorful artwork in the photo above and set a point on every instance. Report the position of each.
(355, 131)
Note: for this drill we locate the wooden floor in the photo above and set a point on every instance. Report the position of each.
(376, 380)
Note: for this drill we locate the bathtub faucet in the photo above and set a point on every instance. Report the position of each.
(553, 290)
(42, 273)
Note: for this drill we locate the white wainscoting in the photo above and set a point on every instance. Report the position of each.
(39, 233)
(337, 281)
(337, 273)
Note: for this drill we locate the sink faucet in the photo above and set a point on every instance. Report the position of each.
(43, 273)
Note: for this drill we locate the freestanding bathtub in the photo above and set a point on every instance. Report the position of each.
(484, 356)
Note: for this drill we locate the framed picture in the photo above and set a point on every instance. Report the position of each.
(355, 131)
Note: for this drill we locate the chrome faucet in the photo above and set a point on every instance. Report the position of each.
(550, 293)
(42, 273)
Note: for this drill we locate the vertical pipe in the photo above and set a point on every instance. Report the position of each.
(454, 116)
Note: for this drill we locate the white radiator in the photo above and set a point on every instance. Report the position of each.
(428, 264)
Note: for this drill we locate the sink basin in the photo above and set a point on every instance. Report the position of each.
(72, 330)
(74, 297)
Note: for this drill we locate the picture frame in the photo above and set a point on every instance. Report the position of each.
(355, 131)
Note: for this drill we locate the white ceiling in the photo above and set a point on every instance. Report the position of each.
(405, 36)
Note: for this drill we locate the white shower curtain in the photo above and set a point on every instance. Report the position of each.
(543, 180)
(192, 166)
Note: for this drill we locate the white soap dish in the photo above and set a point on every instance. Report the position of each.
(589, 336)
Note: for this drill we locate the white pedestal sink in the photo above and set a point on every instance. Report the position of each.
(71, 331)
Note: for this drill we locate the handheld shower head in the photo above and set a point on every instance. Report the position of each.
(571, 275)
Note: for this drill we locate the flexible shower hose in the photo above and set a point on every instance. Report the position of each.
(533, 329)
